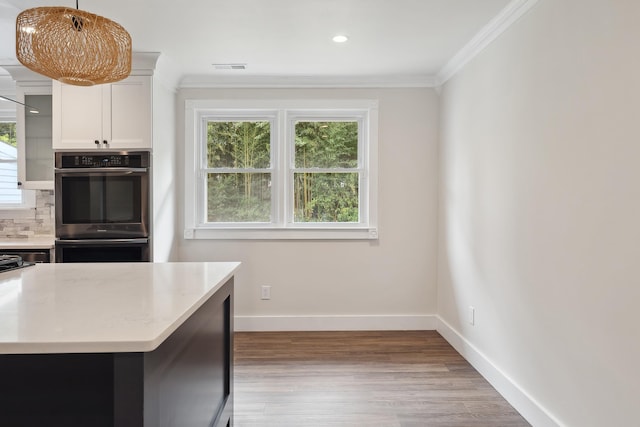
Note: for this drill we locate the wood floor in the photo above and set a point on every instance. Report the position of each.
(360, 379)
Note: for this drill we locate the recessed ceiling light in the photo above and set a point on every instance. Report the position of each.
(340, 38)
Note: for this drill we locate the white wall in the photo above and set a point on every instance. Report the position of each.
(164, 187)
(540, 208)
(313, 281)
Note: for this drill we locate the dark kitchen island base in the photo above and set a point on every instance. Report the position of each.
(186, 381)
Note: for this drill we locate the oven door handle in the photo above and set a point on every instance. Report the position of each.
(106, 241)
(101, 170)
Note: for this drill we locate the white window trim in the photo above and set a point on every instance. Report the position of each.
(198, 110)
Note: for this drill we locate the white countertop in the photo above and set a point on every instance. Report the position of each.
(102, 307)
(42, 242)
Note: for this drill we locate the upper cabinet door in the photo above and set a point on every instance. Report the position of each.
(35, 155)
(77, 116)
(111, 116)
(130, 111)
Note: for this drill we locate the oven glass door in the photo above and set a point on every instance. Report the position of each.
(101, 205)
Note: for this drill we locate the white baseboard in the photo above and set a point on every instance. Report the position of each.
(528, 407)
(334, 323)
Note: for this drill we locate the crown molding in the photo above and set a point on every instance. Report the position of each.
(235, 82)
(507, 16)
(144, 63)
(22, 74)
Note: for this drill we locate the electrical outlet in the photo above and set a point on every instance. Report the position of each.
(472, 315)
(265, 292)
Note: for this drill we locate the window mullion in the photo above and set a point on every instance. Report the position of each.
(286, 143)
(327, 170)
(237, 170)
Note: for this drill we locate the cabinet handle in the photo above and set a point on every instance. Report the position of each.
(19, 184)
(97, 142)
(104, 142)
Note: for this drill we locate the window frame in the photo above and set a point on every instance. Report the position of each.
(284, 113)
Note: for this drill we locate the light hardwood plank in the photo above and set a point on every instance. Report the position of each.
(360, 379)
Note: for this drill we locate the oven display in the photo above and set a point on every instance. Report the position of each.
(101, 161)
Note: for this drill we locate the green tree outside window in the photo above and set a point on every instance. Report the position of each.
(325, 195)
(238, 181)
(8, 133)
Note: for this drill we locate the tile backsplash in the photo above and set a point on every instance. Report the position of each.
(34, 222)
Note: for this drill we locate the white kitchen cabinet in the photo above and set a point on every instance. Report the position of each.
(110, 116)
(33, 136)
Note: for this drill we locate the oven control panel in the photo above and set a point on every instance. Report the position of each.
(104, 160)
(101, 161)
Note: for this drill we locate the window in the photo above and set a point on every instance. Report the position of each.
(238, 171)
(327, 169)
(10, 195)
(281, 169)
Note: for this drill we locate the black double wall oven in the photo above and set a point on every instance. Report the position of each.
(102, 206)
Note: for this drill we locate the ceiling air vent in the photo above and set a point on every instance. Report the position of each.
(230, 66)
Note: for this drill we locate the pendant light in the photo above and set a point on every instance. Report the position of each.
(73, 46)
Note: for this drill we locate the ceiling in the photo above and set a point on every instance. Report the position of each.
(278, 38)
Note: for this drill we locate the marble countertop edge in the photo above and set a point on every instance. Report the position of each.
(75, 308)
(36, 242)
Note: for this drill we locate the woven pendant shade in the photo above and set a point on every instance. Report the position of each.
(73, 46)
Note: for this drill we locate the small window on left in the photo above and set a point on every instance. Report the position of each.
(10, 195)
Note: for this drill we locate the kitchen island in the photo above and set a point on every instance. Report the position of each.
(117, 344)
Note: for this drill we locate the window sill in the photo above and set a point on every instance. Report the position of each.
(19, 210)
(281, 234)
